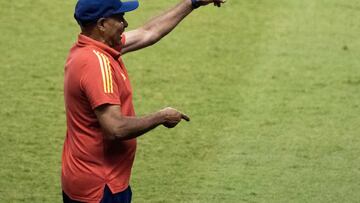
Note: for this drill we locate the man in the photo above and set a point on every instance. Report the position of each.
(100, 142)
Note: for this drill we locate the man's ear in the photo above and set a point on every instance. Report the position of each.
(101, 24)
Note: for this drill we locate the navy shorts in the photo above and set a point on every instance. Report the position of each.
(121, 197)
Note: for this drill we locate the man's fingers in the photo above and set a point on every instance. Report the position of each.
(215, 2)
(218, 2)
(173, 115)
(185, 117)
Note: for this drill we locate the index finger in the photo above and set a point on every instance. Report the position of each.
(185, 117)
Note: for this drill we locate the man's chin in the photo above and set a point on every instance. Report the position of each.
(117, 45)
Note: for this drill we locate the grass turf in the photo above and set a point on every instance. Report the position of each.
(272, 89)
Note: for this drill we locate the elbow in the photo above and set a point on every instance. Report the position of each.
(155, 37)
(109, 136)
(151, 42)
(150, 37)
(116, 134)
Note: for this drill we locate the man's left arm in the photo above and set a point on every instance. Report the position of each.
(152, 31)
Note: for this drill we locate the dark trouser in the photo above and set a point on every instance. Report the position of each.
(121, 197)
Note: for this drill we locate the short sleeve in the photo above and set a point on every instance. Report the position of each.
(98, 82)
(123, 39)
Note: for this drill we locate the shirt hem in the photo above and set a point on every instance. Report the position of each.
(82, 199)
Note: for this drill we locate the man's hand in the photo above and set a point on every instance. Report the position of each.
(172, 117)
(216, 2)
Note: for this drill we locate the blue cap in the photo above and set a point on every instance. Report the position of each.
(87, 11)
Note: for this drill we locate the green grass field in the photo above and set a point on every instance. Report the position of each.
(272, 87)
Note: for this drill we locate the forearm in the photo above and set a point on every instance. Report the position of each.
(131, 127)
(158, 27)
(164, 23)
(117, 126)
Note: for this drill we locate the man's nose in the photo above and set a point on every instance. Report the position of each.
(125, 23)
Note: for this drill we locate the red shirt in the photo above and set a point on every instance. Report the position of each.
(94, 75)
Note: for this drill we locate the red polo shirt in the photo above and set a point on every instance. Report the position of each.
(94, 75)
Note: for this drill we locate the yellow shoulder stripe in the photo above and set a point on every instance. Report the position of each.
(105, 72)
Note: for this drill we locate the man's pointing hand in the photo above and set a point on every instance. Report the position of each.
(172, 117)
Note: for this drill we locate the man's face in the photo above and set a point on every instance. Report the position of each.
(114, 27)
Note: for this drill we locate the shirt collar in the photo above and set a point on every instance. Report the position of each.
(87, 41)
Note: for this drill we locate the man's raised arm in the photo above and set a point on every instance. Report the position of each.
(152, 31)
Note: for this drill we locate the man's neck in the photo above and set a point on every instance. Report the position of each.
(93, 33)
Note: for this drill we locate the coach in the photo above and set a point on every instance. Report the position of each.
(100, 141)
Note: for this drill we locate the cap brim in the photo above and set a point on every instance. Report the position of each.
(128, 6)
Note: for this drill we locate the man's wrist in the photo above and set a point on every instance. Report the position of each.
(195, 4)
(161, 116)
